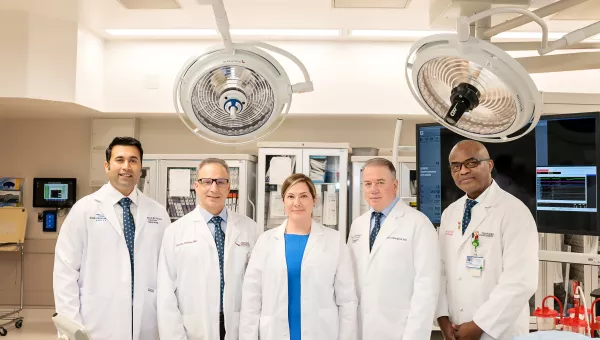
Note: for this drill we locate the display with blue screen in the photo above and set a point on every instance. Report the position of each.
(49, 221)
(552, 170)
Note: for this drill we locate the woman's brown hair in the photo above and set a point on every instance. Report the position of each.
(295, 179)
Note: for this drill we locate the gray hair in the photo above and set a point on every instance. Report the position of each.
(214, 161)
(378, 161)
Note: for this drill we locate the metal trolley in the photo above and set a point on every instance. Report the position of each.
(13, 221)
(8, 317)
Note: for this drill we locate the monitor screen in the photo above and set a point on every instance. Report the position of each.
(552, 170)
(566, 190)
(54, 192)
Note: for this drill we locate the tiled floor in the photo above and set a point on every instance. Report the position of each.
(37, 325)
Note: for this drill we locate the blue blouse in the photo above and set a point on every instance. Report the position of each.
(294, 250)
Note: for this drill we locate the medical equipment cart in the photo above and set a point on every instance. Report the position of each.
(13, 221)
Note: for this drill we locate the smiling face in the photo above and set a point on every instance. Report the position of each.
(380, 186)
(211, 197)
(299, 202)
(124, 169)
(472, 171)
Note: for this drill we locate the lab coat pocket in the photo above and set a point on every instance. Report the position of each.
(94, 309)
(149, 326)
(193, 326)
(264, 328)
(328, 324)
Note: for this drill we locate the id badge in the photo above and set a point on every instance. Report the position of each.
(475, 265)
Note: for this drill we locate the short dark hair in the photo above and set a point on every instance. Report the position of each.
(127, 141)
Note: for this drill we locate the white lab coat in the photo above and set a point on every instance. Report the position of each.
(92, 273)
(497, 301)
(188, 277)
(398, 281)
(327, 288)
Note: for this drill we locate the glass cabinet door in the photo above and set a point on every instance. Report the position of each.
(274, 166)
(148, 180)
(327, 168)
(179, 195)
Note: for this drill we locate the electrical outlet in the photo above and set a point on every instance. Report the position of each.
(40, 217)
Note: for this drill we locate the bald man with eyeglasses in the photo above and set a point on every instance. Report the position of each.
(202, 263)
(489, 252)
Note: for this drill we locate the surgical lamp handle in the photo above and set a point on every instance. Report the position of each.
(307, 85)
(222, 22)
(464, 31)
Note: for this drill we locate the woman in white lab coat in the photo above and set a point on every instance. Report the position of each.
(299, 283)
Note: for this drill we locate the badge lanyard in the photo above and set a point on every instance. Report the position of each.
(475, 242)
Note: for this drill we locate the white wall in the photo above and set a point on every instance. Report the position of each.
(90, 70)
(349, 77)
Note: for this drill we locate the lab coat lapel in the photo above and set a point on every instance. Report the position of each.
(316, 231)
(478, 217)
(202, 231)
(279, 249)
(142, 213)
(389, 226)
(363, 241)
(107, 208)
(480, 212)
(231, 235)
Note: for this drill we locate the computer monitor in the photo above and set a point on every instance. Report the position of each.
(54, 192)
(566, 170)
(552, 170)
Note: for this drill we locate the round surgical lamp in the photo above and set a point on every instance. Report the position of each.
(473, 87)
(236, 93)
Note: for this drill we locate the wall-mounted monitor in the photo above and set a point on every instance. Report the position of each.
(552, 170)
(54, 192)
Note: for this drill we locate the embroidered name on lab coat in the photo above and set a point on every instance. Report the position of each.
(242, 244)
(449, 232)
(397, 238)
(486, 234)
(355, 238)
(153, 219)
(184, 243)
(98, 218)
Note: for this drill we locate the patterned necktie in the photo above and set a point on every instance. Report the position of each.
(469, 204)
(376, 228)
(220, 241)
(129, 231)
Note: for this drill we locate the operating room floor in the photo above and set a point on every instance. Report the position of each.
(37, 325)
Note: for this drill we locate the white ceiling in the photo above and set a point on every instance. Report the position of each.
(99, 15)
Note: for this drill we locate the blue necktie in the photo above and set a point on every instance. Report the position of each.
(129, 231)
(469, 204)
(220, 241)
(376, 228)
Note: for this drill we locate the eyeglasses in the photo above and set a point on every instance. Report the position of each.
(469, 163)
(221, 182)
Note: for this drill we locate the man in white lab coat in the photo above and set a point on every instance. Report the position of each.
(489, 254)
(202, 263)
(396, 261)
(107, 253)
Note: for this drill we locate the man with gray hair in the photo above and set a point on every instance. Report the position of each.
(396, 261)
(202, 263)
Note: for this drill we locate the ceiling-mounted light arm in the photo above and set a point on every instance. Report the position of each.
(464, 31)
(307, 85)
(222, 22)
(572, 38)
